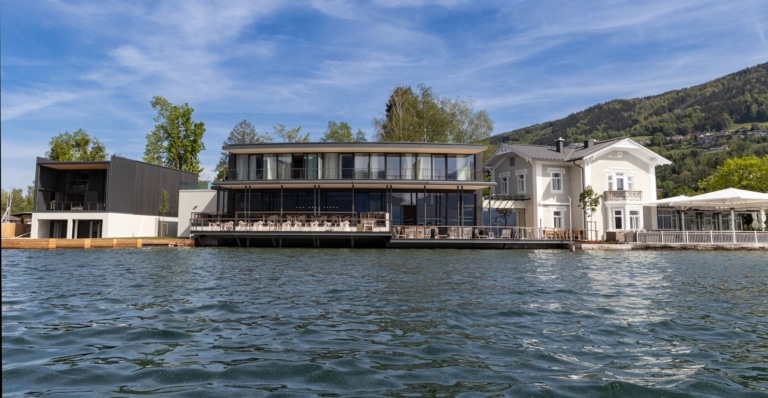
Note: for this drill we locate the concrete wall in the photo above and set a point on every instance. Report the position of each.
(194, 201)
(114, 225)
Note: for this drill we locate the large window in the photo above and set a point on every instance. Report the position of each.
(347, 161)
(284, 162)
(634, 219)
(667, 219)
(439, 167)
(424, 167)
(378, 166)
(393, 166)
(362, 162)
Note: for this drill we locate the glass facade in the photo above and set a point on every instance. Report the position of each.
(360, 166)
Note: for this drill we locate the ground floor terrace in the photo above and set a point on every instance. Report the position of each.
(365, 229)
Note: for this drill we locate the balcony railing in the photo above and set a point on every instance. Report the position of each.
(355, 174)
(625, 196)
(268, 223)
(703, 237)
(75, 206)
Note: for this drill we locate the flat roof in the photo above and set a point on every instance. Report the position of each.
(369, 147)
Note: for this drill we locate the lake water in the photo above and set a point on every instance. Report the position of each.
(198, 322)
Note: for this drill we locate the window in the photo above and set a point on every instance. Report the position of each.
(512, 161)
(520, 176)
(634, 219)
(620, 181)
(618, 219)
(504, 183)
(667, 219)
(556, 177)
(557, 219)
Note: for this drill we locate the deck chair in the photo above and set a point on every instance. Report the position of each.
(506, 233)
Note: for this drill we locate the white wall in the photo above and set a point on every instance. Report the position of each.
(194, 201)
(114, 225)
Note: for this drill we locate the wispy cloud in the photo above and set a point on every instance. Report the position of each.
(96, 65)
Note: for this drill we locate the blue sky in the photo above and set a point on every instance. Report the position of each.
(96, 65)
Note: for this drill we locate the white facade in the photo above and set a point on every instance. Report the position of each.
(194, 201)
(111, 225)
(544, 184)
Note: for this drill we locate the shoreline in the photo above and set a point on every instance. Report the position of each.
(137, 243)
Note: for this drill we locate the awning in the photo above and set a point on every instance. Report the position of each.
(498, 204)
(730, 198)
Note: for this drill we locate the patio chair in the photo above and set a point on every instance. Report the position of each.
(506, 233)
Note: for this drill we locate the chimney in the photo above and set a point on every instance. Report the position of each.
(587, 143)
(559, 143)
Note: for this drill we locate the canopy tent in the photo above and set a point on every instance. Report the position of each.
(725, 199)
(670, 201)
(729, 198)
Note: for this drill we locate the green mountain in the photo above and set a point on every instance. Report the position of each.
(697, 128)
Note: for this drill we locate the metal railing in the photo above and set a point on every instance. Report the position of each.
(484, 232)
(75, 206)
(354, 174)
(702, 237)
(380, 222)
(292, 222)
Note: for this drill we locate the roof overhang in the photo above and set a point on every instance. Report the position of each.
(362, 147)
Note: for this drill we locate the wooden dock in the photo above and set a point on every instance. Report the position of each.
(94, 243)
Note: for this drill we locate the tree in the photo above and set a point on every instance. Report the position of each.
(242, 133)
(399, 121)
(176, 140)
(20, 203)
(425, 117)
(77, 146)
(163, 202)
(467, 126)
(292, 135)
(749, 172)
(342, 132)
(589, 201)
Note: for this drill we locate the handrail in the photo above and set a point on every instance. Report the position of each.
(357, 174)
(702, 237)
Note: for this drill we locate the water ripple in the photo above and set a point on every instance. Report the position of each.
(256, 322)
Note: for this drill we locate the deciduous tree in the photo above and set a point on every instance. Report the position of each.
(425, 117)
(289, 135)
(342, 132)
(177, 140)
(77, 146)
(750, 173)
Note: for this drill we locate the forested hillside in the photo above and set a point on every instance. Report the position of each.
(675, 124)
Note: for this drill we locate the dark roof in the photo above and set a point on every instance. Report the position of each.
(543, 152)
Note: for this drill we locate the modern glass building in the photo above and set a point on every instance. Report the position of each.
(397, 184)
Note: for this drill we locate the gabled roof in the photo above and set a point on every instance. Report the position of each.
(549, 153)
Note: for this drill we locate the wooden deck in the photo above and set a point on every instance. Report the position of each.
(95, 243)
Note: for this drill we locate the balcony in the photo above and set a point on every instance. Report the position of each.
(355, 174)
(75, 206)
(623, 196)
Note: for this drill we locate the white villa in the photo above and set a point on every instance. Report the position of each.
(539, 186)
